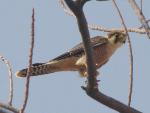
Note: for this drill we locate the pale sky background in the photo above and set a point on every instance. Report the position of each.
(56, 33)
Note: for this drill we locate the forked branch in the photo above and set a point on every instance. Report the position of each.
(8, 107)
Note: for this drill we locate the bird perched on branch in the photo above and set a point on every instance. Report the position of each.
(75, 59)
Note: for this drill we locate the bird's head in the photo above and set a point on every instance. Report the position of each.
(117, 38)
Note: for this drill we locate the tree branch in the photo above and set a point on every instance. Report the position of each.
(10, 78)
(140, 16)
(111, 102)
(29, 67)
(8, 107)
(82, 24)
(130, 54)
(100, 28)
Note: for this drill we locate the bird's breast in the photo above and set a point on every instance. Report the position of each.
(103, 53)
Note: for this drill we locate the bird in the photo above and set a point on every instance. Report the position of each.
(75, 59)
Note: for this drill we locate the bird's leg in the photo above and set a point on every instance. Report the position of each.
(97, 73)
(83, 72)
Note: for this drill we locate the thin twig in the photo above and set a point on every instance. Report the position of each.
(140, 16)
(10, 78)
(9, 107)
(29, 66)
(100, 28)
(76, 8)
(66, 10)
(130, 54)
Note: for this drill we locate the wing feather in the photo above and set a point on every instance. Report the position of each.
(78, 50)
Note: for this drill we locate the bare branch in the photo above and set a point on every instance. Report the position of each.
(10, 78)
(130, 54)
(29, 67)
(9, 107)
(100, 28)
(110, 102)
(140, 16)
(82, 24)
(65, 8)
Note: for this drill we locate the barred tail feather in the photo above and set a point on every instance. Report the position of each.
(39, 69)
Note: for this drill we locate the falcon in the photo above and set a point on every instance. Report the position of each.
(75, 59)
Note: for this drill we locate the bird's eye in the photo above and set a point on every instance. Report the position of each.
(116, 35)
(116, 38)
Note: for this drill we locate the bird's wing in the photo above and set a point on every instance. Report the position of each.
(37, 64)
(78, 50)
(98, 40)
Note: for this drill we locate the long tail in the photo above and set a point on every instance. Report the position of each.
(40, 69)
